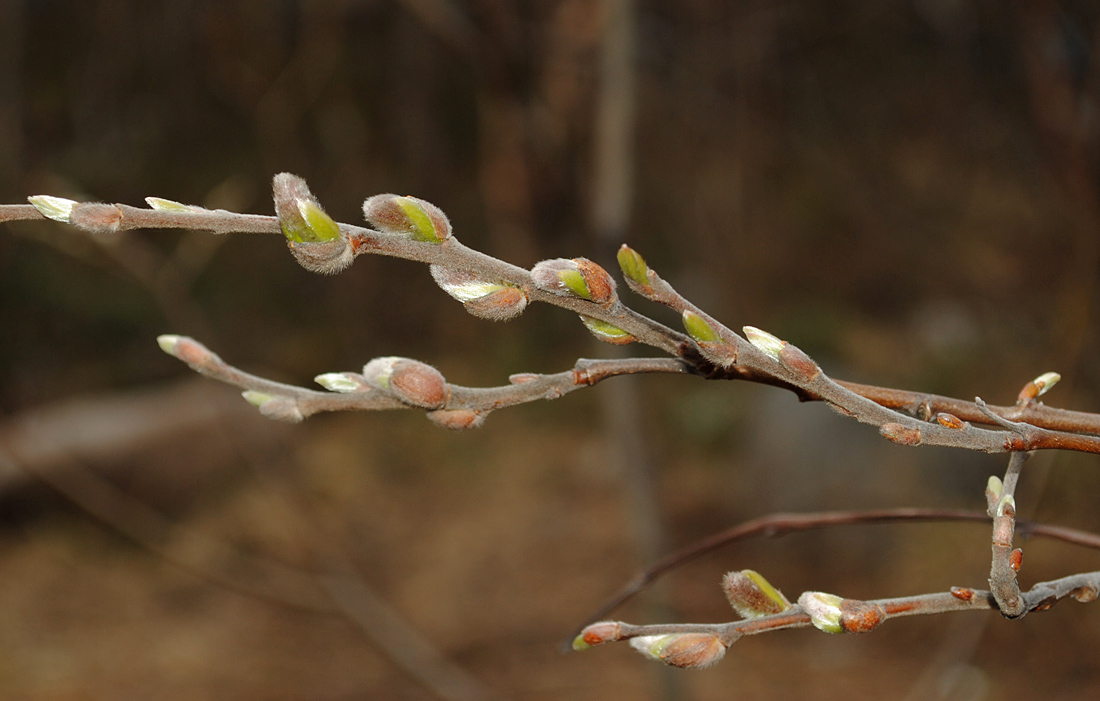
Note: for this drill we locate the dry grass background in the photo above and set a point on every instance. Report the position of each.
(908, 190)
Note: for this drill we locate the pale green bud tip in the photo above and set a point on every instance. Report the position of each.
(256, 399)
(419, 222)
(699, 328)
(994, 487)
(633, 265)
(56, 208)
(606, 332)
(162, 205)
(1046, 381)
(337, 382)
(764, 341)
(407, 216)
(574, 282)
(320, 225)
(823, 609)
(579, 644)
(167, 343)
(1007, 504)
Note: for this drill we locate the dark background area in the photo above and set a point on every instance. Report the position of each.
(908, 190)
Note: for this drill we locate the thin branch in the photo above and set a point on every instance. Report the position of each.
(852, 614)
(775, 525)
(711, 348)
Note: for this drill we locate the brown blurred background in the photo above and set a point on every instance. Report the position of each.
(907, 189)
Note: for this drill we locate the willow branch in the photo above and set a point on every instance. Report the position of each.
(776, 525)
(710, 349)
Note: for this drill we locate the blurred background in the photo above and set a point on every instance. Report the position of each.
(907, 189)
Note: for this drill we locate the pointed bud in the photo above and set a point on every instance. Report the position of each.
(823, 609)
(950, 421)
(687, 650)
(56, 208)
(699, 328)
(300, 216)
(994, 489)
(278, 408)
(607, 332)
(1038, 387)
(597, 634)
(764, 341)
(458, 419)
(633, 266)
(342, 382)
(407, 216)
(794, 359)
(902, 435)
(1046, 382)
(752, 596)
(313, 237)
(186, 349)
(162, 205)
(96, 217)
(167, 343)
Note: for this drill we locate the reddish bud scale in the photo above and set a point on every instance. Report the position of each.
(950, 421)
(600, 633)
(96, 217)
(520, 377)
(601, 288)
(502, 305)
(860, 616)
(457, 419)
(962, 593)
(192, 352)
(1085, 595)
(693, 651)
(1016, 560)
(418, 384)
(1029, 392)
(902, 435)
(795, 360)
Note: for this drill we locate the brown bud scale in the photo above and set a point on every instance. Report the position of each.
(501, 305)
(962, 593)
(902, 435)
(600, 633)
(860, 616)
(1016, 560)
(419, 384)
(693, 650)
(601, 287)
(457, 419)
(949, 421)
(794, 359)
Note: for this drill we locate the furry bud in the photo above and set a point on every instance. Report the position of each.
(407, 216)
(688, 650)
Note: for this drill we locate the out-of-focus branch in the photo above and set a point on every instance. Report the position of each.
(775, 525)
